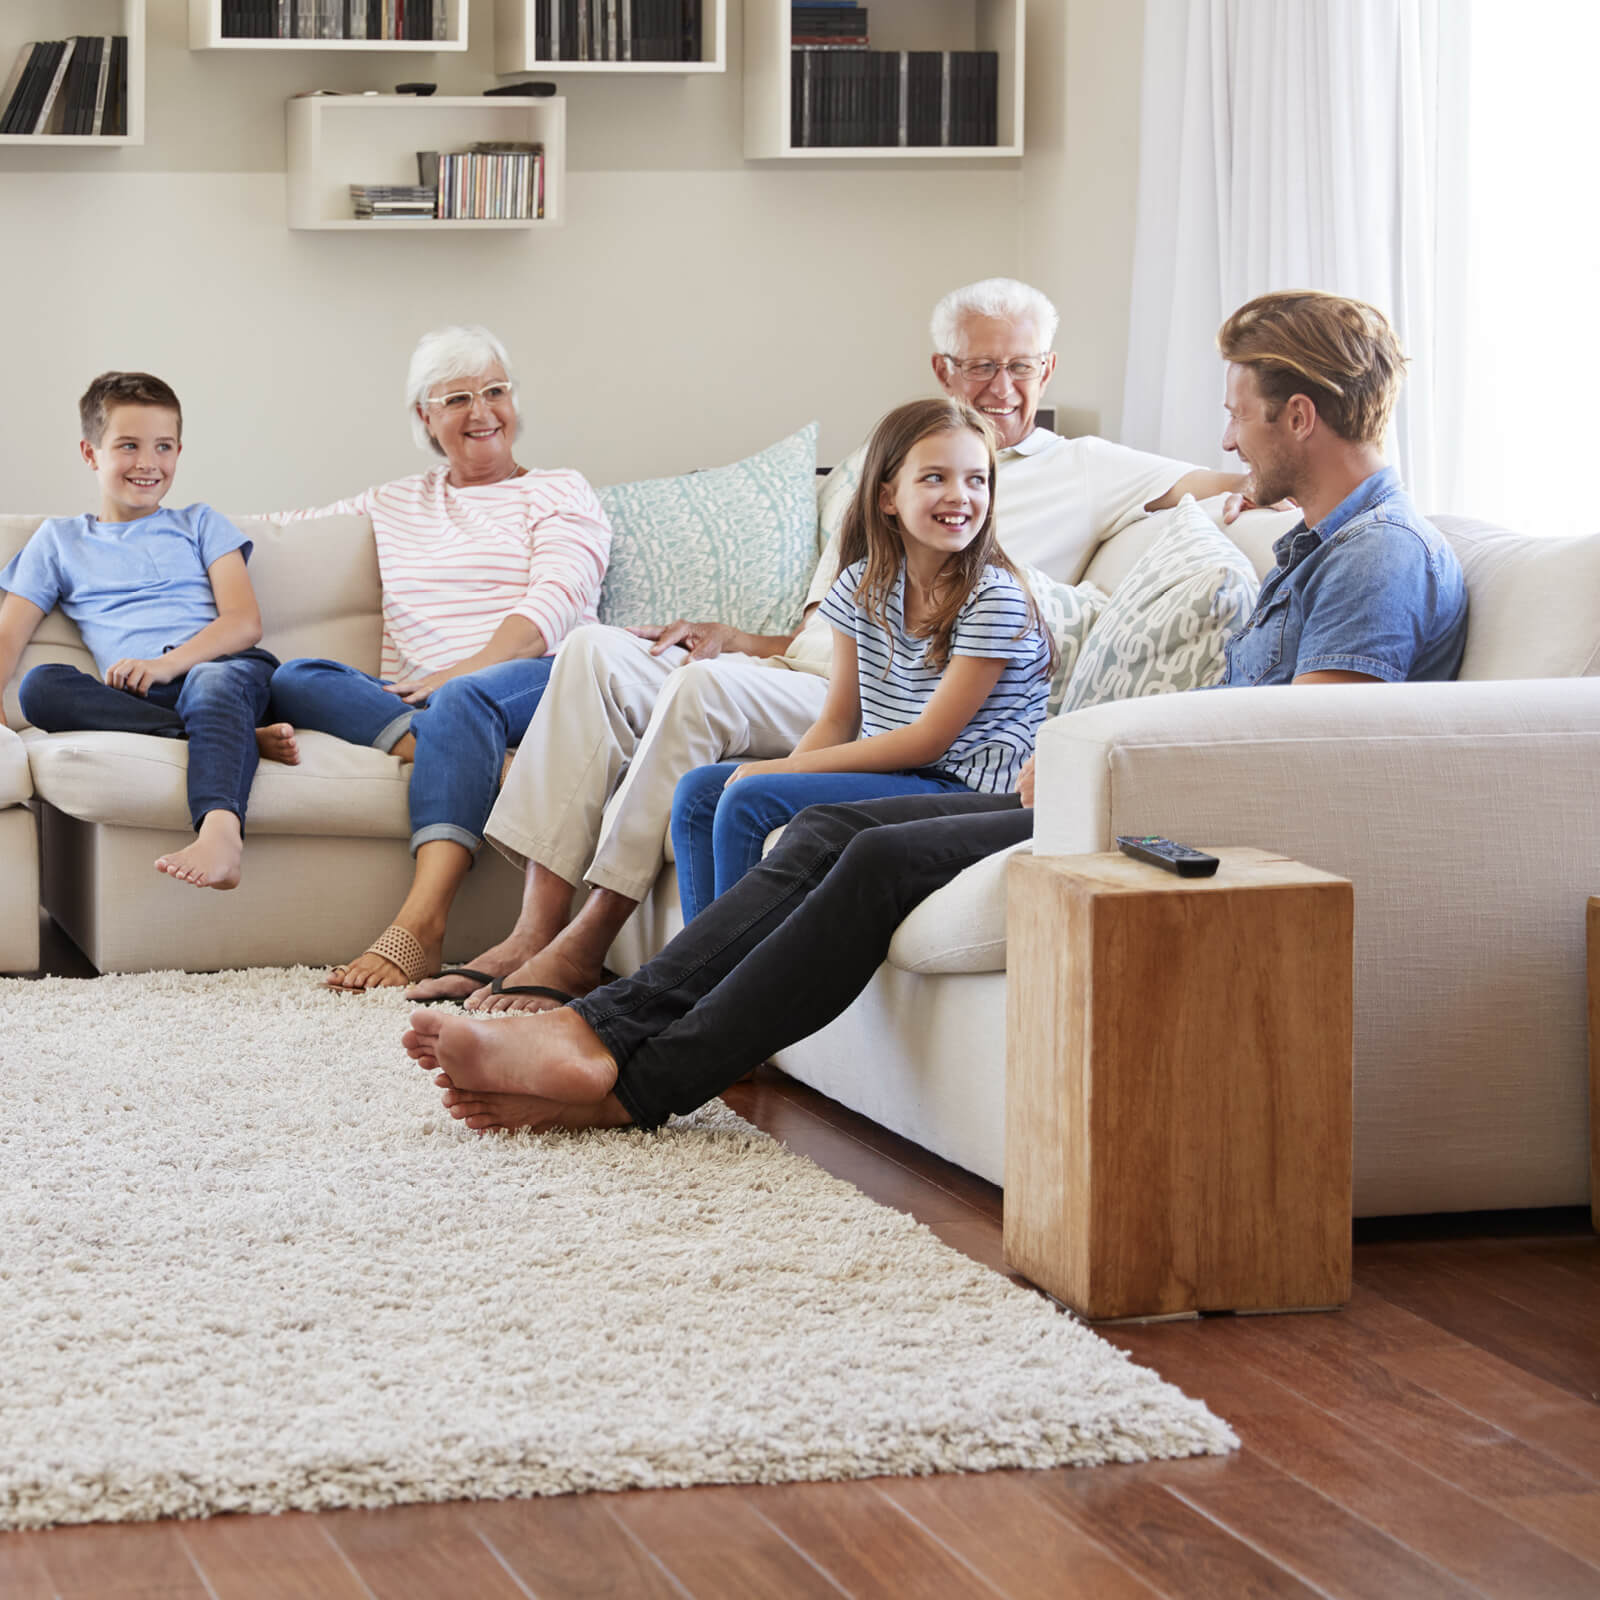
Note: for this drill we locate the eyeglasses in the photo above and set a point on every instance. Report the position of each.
(460, 399)
(1023, 370)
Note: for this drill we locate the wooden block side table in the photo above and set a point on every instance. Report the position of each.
(1594, 1062)
(1178, 1084)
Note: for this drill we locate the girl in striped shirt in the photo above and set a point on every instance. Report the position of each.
(941, 663)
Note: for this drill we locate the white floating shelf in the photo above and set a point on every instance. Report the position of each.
(337, 140)
(514, 46)
(996, 25)
(85, 17)
(205, 33)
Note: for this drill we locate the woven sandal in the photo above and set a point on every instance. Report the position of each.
(404, 949)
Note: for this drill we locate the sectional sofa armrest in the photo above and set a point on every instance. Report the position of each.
(16, 778)
(1465, 816)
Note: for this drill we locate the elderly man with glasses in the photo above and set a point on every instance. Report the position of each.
(588, 795)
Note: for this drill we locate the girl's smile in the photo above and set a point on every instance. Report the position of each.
(940, 496)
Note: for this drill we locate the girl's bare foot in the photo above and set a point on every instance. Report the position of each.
(553, 968)
(278, 743)
(556, 1058)
(213, 860)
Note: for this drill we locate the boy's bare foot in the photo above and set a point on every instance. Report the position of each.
(277, 742)
(557, 1059)
(552, 967)
(214, 859)
(372, 971)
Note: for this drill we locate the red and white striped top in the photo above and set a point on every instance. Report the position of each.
(455, 563)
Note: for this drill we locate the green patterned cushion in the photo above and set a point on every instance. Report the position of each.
(1068, 610)
(731, 544)
(1166, 623)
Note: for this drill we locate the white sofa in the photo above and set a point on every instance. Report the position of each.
(1464, 813)
(19, 859)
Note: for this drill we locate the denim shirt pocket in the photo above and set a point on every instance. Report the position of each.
(1259, 650)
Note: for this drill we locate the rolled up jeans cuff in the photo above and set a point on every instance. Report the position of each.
(445, 830)
(393, 733)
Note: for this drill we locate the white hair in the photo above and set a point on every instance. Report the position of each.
(453, 352)
(1005, 299)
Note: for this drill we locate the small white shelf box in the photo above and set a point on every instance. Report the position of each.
(337, 140)
(23, 23)
(205, 33)
(514, 45)
(894, 25)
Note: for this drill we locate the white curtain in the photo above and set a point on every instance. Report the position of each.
(1291, 144)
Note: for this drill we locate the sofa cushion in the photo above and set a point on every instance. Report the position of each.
(1167, 621)
(16, 781)
(138, 781)
(1069, 611)
(55, 639)
(737, 543)
(318, 588)
(1533, 604)
(962, 927)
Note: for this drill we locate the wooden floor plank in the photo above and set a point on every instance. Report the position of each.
(1479, 1545)
(566, 1546)
(867, 1545)
(287, 1557)
(980, 1517)
(420, 1553)
(120, 1561)
(22, 1570)
(1539, 1344)
(718, 1546)
(1173, 1547)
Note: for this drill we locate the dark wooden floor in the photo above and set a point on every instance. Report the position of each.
(1441, 1436)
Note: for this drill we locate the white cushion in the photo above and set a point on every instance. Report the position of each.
(1533, 604)
(16, 783)
(962, 927)
(137, 780)
(1166, 624)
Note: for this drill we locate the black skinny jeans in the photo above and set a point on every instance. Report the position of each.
(789, 946)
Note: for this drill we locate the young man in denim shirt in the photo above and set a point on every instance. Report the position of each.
(1364, 591)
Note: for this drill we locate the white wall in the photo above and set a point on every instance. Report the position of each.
(694, 308)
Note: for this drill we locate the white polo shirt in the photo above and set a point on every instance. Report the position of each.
(1056, 501)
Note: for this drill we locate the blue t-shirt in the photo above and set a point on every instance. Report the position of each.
(987, 755)
(135, 589)
(1373, 588)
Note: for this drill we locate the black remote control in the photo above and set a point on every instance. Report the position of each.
(1177, 858)
(535, 91)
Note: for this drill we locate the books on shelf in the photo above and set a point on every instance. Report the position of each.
(854, 98)
(828, 24)
(494, 180)
(335, 19)
(68, 86)
(617, 30)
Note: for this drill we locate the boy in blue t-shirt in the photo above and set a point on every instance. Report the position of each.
(165, 606)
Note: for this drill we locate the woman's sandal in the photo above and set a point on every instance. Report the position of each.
(401, 948)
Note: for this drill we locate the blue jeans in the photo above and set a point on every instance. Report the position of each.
(462, 732)
(216, 705)
(718, 830)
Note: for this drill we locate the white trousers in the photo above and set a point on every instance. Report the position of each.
(589, 795)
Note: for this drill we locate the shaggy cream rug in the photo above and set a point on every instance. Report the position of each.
(247, 1263)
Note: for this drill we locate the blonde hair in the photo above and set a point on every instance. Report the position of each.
(870, 534)
(1341, 354)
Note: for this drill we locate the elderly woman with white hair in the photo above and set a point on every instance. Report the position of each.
(486, 566)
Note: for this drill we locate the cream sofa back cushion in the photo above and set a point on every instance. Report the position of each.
(56, 638)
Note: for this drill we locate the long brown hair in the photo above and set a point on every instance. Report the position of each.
(872, 535)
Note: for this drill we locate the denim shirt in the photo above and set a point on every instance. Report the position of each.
(1373, 588)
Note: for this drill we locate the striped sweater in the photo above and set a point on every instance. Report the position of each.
(455, 563)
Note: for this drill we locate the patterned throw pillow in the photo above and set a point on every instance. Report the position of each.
(1166, 623)
(1069, 611)
(731, 544)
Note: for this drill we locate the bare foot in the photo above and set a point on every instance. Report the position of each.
(369, 971)
(554, 968)
(484, 1112)
(498, 960)
(557, 1058)
(213, 860)
(278, 743)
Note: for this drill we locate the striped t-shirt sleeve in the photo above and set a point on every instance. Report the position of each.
(995, 624)
(571, 548)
